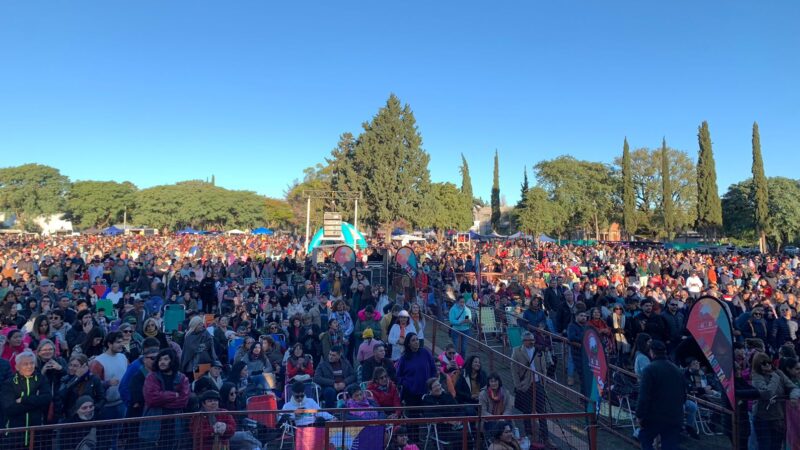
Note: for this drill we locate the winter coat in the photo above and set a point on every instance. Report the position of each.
(324, 377)
(35, 399)
(73, 387)
(776, 384)
(662, 393)
(156, 396)
(198, 348)
(202, 428)
(413, 371)
(390, 397)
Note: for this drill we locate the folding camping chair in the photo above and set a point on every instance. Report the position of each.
(514, 335)
(233, 346)
(312, 391)
(174, 315)
(106, 305)
(256, 406)
(488, 325)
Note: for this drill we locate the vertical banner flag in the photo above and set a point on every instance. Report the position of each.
(345, 257)
(595, 367)
(407, 259)
(710, 326)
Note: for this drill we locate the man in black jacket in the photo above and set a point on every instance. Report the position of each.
(662, 393)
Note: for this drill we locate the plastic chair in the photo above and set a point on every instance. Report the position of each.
(312, 391)
(267, 402)
(174, 315)
(233, 346)
(432, 428)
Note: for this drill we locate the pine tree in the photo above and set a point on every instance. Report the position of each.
(709, 206)
(523, 195)
(392, 167)
(628, 199)
(496, 192)
(760, 192)
(213, 180)
(666, 191)
(466, 180)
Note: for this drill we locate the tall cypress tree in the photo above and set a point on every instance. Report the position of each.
(628, 199)
(523, 194)
(666, 191)
(496, 192)
(759, 193)
(466, 180)
(709, 206)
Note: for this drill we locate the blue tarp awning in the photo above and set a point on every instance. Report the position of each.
(262, 230)
(112, 231)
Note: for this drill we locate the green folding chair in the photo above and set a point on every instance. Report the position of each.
(514, 336)
(108, 306)
(174, 315)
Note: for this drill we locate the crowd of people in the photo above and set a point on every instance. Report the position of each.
(83, 335)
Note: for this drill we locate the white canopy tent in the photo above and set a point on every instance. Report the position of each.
(234, 232)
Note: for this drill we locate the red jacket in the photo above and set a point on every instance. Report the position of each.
(385, 399)
(156, 397)
(203, 431)
(292, 370)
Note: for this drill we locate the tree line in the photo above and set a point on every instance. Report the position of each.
(33, 190)
(653, 192)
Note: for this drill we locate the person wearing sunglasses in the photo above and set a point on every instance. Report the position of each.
(752, 325)
(774, 388)
(303, 410)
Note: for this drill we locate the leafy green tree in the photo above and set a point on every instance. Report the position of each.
(448, 209)
(496, 192)
(343, 175)
(783, 224)
(31, 190)
(646, 173)
(583, 189)
(392, 167)
(666, 191)
(277, 213)
(760, 192)
(628, 196)
(100, 203)
(709, 209)
(200, 205)
(540, 214)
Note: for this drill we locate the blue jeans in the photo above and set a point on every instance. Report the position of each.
(459, 340)
(329, 397)
(669, 436)
(690, 408)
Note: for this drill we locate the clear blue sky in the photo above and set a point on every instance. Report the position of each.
(254, 91)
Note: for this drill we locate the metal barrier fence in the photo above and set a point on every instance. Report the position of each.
(533, 391)
(426, 426)
(717, 426)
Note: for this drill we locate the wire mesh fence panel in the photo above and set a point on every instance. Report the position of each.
(354, 428)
